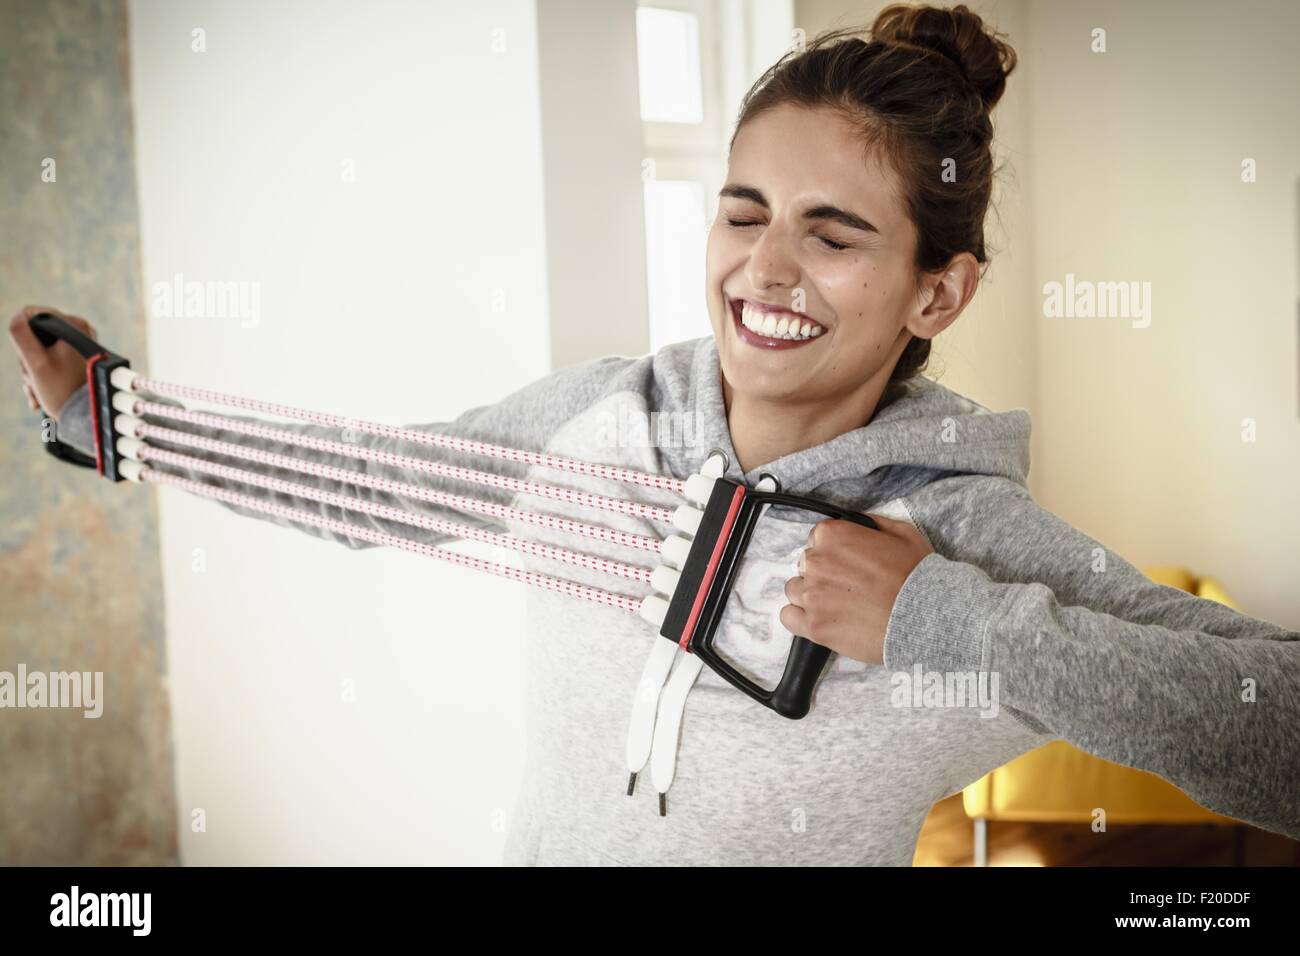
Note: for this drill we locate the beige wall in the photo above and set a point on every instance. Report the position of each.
(1125, 166)
(596, 307)
(1137, 155)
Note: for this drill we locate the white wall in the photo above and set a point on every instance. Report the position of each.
(377, 301)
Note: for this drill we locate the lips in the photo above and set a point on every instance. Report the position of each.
(772, 328)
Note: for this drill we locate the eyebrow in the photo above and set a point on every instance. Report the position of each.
(832, 213)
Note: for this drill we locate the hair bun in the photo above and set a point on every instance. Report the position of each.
(959, 35)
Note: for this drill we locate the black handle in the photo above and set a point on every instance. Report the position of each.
(49, 329)
(792, 696)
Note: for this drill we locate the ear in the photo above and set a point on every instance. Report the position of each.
(946, 293)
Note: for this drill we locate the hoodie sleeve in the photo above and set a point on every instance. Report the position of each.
(1088, 649)
(524, 419)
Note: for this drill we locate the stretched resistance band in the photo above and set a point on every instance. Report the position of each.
(629, 476)
(147, 453)
(350, 450)
(688, 592)
(404, 489)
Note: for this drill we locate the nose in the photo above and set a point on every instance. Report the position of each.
(772, 261)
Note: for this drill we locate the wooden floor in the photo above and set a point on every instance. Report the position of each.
(947, 839)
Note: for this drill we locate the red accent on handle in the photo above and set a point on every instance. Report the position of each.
(94, 408)
(718, 547)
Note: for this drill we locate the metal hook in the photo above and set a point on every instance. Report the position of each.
(720, 471)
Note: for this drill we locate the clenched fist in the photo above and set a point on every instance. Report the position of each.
(50, 376)
(851, 577)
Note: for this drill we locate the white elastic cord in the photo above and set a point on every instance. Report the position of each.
(311, 519)
(137, 383)
(646, 731)
(668, 724)
(640, 732)
(638, 509)
(672, 701)
(133, 448)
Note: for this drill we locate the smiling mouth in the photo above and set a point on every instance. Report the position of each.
(768, 328)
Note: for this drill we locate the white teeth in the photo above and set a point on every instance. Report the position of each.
(786, 327)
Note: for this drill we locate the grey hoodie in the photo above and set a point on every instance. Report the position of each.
(1057, 636)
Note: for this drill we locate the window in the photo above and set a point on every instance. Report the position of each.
(675, 227)
(684, 163)
(668, 63)
(695, 60)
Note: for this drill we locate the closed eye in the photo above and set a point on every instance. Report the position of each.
(744, 223)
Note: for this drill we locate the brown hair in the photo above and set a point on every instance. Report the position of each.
(920, 89)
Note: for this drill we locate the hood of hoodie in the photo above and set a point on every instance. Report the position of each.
(927, 433)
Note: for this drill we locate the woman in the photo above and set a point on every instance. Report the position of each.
(849, 234)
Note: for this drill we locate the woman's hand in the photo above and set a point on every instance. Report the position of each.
(50, 376)
(851, 578)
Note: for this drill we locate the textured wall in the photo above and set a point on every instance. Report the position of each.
(79, 574)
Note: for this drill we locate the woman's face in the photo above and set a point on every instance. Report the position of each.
(810, 232)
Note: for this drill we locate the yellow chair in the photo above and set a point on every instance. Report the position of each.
(1058, 783)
